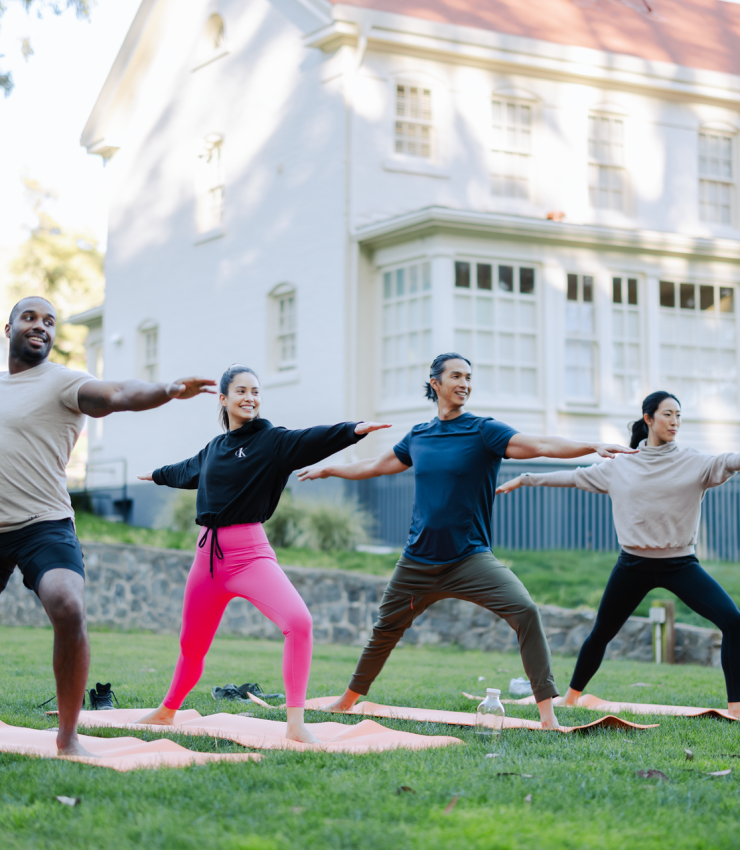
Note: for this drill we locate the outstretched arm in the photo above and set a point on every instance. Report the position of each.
(386, 464)
(296, 449)
(563, 478)
(594, 478)
(182, 476)
(526, 446)
(99, 398)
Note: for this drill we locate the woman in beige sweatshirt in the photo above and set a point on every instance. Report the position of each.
(656, 501)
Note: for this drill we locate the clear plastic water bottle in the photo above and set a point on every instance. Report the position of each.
(489, 718)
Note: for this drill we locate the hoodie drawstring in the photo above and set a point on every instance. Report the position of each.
(215, 547)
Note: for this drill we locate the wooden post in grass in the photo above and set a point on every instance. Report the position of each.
(665, 621)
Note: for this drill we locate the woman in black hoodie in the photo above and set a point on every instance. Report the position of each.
(240, 476)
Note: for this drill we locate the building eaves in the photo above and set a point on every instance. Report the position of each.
(393, 32)
(91, 137)
(691, 33)
(435, 219)
(89, 317)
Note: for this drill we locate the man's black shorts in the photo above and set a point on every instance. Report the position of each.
(38, 548)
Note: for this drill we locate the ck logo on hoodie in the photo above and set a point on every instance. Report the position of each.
(240, 452)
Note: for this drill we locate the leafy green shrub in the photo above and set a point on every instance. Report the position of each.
(285, 526)
(183, 514)
(332, 526)
(324, 526)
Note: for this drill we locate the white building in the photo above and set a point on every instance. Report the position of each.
(334, 193)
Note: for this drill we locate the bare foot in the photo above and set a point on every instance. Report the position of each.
(734, 709)
(547, 715)
(73, 748)
(299, 732)
(296, 730)
(161, 716)
(344, 703)
(571, 698)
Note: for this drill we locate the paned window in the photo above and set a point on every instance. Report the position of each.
(407, 330)
(285, 308)
(148, 352)
(716, 177)
(496, 326)
(512, 149)
(210, 185)
(580, 343)
(698, 343)
(626, 361)
(606, 174)
(414, 128)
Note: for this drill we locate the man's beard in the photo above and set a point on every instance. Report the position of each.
(27, 354)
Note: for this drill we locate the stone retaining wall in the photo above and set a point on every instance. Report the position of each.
(140, 587)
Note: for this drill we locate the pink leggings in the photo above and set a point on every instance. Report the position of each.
(250, 570)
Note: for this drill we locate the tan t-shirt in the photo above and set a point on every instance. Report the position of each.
(40, 422)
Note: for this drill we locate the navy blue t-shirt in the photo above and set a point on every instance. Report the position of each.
(456, 464)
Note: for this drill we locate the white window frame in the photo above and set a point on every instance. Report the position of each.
(406, 118)
(717, 187)
(283, 356)
(148, 353)
(210, 185)
(607, 171)
(406, 331)
(512, 147)
(627, 349)
(699, 346)
(581, 335)
(496, 325)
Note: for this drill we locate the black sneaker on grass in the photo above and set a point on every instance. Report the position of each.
(254, 689)
(231, 692)
(101, 698)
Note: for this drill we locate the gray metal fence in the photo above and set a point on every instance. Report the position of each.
(549, 517)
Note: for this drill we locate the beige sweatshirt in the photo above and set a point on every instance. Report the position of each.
(656, 494)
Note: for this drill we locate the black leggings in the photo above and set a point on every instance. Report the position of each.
(631, 579)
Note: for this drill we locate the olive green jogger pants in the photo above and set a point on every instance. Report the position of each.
(481, 579)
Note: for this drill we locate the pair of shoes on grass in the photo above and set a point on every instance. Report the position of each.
(231, 692)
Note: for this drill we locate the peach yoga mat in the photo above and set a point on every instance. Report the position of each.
(364, 737)
(464, 718)
(118, 753)
(598, 704)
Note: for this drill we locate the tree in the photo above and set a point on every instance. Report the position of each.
(82, 10)
(64, 266)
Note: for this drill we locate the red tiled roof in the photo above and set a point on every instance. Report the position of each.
(695, 33)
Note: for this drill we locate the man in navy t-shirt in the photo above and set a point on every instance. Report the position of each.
(456, 458)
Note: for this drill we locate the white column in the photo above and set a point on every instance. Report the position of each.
(552, 347)
(443, 301)
(651, 333)
(603, 305)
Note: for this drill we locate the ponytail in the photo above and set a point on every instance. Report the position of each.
(639, 430)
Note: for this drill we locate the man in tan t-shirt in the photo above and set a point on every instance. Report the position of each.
(42, 411)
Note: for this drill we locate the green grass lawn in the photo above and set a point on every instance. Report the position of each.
(567, 578)
(584, 790)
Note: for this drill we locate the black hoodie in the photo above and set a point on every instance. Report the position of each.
(240, 475)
